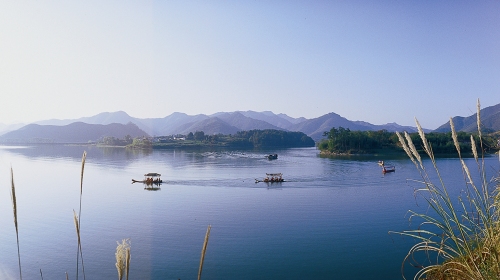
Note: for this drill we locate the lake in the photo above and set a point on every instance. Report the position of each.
(329, 220)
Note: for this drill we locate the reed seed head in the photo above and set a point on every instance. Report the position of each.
(413, 149)
(84, 157)
(422, 136)
(466, 169)
(121, 257)
(474, 148)
(405, 147)
(479, 117)
(454, 136)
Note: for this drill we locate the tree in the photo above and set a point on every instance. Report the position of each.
(199, 136)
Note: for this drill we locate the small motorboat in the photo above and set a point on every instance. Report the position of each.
(272, 178)
(273, 156)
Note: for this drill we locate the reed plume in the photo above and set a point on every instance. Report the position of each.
(424, 139)
(122, 258)
(413, 149)
(406, 148)
(14, 207)
(474, 148)
(203, 250)
(454, 136)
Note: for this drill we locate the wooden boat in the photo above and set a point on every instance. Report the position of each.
(387, 169)
(150, 179)
(273, 156)
(272, 178)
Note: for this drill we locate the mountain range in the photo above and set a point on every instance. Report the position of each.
(490, 121)
(76, 132)
(118, 124)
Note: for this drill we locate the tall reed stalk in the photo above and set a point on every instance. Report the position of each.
(77, 221)
(14, 207)
(203, 250)
(462, 236)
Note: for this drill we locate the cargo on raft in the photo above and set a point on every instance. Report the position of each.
(149, 179)
(272, 178)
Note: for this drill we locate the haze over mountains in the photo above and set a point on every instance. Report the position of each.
(118, 124)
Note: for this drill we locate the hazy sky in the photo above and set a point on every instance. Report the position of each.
(375, 61)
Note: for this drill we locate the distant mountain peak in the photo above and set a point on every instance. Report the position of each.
(490, 120)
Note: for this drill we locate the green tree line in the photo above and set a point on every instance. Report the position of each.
(268, 138)
(344, 141)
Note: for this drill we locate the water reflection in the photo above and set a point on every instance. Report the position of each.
(74, 152)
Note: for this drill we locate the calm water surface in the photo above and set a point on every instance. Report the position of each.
(330, 220)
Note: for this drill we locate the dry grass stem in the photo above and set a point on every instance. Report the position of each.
(127, 262)
(203, 251)
(14, 208)
(79, 253)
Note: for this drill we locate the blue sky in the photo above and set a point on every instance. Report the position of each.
(374, 61)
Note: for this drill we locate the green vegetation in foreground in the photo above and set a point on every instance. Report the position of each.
(457, 238)
(252, 139)
(344, 141)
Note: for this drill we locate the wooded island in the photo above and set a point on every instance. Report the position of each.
(341, 141)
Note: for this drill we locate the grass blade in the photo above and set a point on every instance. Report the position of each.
(14, 207)
(203, 250)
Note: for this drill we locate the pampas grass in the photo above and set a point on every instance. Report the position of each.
(14, 208)
(203, 250)
(123, 258)
(462, 235)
